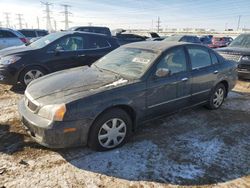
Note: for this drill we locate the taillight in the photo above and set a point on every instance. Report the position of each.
(24, 40)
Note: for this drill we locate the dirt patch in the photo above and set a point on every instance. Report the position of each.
(197, 147)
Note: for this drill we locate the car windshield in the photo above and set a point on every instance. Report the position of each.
(173, 38)
(127, 62)
(242, 41)
(44, 41)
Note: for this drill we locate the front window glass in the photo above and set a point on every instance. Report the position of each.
(44, 41)
(128, 62)
(72, 43)
(242, 41)
(175, 61)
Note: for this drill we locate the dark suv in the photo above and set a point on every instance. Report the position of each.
(51, 53)
(239, 51)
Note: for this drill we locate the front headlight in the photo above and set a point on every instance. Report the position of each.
(53, 112)
(9, 60)
(245, 58)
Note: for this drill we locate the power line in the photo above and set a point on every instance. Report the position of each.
(66, 15)
(48, 17)
(7, 18)
(20, 19)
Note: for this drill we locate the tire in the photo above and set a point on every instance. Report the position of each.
(111, 130)
(217, 97)
(31, 73)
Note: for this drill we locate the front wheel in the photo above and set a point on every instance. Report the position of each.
(31, 74)
(217, 97)
(110, 130)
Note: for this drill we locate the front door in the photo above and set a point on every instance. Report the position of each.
(169, 93)
(64, 53)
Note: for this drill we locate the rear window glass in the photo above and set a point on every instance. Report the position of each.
(6, 34)
(41, 33)
(97, 42)
(28, 33)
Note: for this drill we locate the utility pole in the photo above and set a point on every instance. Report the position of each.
(20, 19)
(66, 15)
(38, 22)
(48, 17)
(238, 27)
(55, 25)
(158, 26)
(7, 18)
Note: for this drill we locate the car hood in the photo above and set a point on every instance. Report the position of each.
(71, 84)
(236, 50)
(16, 50)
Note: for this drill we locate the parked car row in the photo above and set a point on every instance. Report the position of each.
(99, 92)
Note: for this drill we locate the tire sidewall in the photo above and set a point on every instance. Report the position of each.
(211, 104)
(93, 141)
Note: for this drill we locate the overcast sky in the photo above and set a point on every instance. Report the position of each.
(143, 14)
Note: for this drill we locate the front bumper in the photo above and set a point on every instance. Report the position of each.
(52, 134)
(7, 76)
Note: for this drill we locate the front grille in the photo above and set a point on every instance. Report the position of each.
(230, 56)
(244, 66)
(30, 103)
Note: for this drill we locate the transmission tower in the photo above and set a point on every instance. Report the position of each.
(7, 18)
(20, 20)
(38, 22)
(158, 26)
(66, 16)
(48, 17)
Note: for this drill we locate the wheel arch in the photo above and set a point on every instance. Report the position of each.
(46, 69)
(226, 85)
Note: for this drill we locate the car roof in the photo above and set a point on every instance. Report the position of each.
(32, 30)
(159, 46)
(83, 32)
(98, 27)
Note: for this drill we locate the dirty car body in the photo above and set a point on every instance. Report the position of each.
(88, 92)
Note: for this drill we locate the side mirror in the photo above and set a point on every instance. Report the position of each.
(162, 72)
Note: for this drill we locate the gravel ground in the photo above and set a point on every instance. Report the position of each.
(195, 147)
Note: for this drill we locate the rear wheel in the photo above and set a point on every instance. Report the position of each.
(217, 97)
(110, 130)
(31, 74)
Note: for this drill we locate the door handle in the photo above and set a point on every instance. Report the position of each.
(216, 72)
(81, 55)
(184, 79)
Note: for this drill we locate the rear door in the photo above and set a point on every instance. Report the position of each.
(95, 48)
(204, 73)
(168, 94)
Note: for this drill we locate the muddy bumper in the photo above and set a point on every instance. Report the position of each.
(54, 134)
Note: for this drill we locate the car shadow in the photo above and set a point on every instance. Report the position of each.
(193, 147)
(12, 141)
(18, 88)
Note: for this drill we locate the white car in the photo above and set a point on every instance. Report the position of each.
(9, 38)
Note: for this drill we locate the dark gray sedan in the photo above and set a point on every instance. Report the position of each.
(100, 106)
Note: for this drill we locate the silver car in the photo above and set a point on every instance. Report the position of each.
(9, 38)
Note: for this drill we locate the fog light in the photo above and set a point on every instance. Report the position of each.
(2, 77)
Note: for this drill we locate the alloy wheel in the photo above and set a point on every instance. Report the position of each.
(218, 97)
(32, 75)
